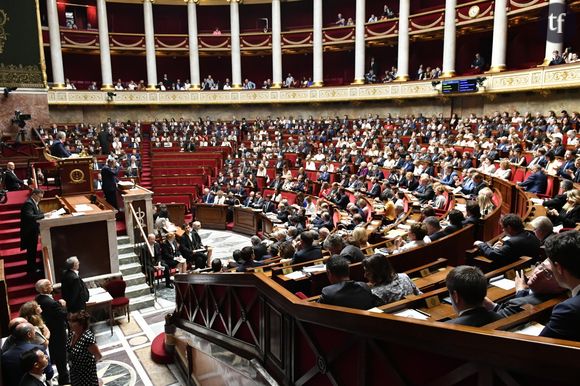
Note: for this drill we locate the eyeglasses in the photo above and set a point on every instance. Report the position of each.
(545, 270)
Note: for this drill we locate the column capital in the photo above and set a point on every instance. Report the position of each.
(235, 1)
(148, 1)
(191, 1)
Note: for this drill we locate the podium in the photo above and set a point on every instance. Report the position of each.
(138, 206)
(75, 175)
(246, 220)
(88, 232)
(211, 216)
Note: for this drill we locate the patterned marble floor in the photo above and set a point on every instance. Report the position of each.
(126, 353)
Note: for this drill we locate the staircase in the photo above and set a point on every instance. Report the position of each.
(137, 288)
(145, 180)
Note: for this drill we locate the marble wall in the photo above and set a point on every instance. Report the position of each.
(478, 104)
(33, 102)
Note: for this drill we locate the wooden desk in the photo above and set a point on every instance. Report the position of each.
(89, 233)
(140, 199)
(99, 297)
(246, 220)
(268, 223)
(211, 216)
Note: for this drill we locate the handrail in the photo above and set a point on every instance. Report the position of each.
(142, 231)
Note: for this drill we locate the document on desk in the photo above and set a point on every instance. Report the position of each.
(100, 298)
(295, 275)
(96, 291)
(414, 314)
(504, 283)
(394, 233)
(537, 201)
(532, 328)
(83, 208)
(315, 268)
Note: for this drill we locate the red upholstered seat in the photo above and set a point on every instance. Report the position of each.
(158, 352)
(116, 288)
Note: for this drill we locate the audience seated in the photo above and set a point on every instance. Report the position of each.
(385, 282)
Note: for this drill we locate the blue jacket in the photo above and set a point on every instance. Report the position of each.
(535, 183)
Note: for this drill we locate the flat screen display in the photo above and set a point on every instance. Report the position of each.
(459, 86)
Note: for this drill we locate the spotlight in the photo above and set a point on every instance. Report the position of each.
(480, 80)
(110, 96)
(435, 83)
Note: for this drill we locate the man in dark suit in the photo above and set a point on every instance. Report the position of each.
(186, 245)
(260, 249)
(560, 199)
(33, 362)
(345, 292)
(539, 287)
(11, 180)
(73, 288)
(434, 230)
(29, 229)
(568, 168)
(342, 199)
(54, 316)
(109, 181)
(58, 149)
(12, 372)
(536, 182)
(519, 242)
(467, 287)
(268, 206)
(202, 254)
(563, 250)
(424, 191)
(208, 196)
(307, 250)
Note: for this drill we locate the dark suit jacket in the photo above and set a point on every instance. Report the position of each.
(352, 294)
(58, 150)
(556, 203)
(186, 247)
(522, 244)
(535, 183)
(514, 305)
(11, 360)
(109, 178)
(54, 316)
(568, 219)
(29, 380)
(307, 254)
(565, 319)
(12, 182)
(260, 251)
(74, 291)
(168, 253)
(476, 317)
(29, 228)
(424, 193)
(437, 235)
(342, 202)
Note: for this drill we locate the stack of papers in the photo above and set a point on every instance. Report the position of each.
(315, 268)
(83, 208)
(295, 275)
(532, 328)
(504, 283)
(413, 314)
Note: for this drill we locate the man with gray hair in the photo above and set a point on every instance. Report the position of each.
(74, 289)
(260, 249)
(58, 149)
(434, 230)
(543, 228)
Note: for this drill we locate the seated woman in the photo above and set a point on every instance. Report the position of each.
(439, 200)
(416, 235)
(569, 216)
(487, 166)
(359, 238)
(385, 282)
(485, 201)
(504, 171)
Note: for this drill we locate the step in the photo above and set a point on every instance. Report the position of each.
(18, 265)
(134, 279)
(135, 291)
(121, 240)
(10, 243)
(141, 302)
(128, 269)
(10, 223)
(128, 258)
(9, 214)
(21, 290)
(9, 232)
(13, 253)
(124, 248)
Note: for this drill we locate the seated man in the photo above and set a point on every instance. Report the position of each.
(345, 292)
(536, 182)
(434, 230)
(467, 288)
(307, 251)
(518, 242)
(11, 180)
(336, 246)
(58, 149)
(560, 199)
(563, 251)
(539, 287)
(424, 191)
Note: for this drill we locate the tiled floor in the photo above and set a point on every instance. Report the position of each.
(126, 354)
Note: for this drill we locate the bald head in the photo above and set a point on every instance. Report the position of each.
(24, 332)
(15, 322)
(10, 166)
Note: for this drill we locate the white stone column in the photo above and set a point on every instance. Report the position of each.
(499, 46)
(555, 30)
(276, 45)
(359, 43)
(150, 45)
(193, 44)
(105, 52)
(449, 39)
(55, 49)
(403, 50)
(235, 43)
(317, 48)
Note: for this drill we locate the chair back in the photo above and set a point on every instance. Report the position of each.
(116, 288)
